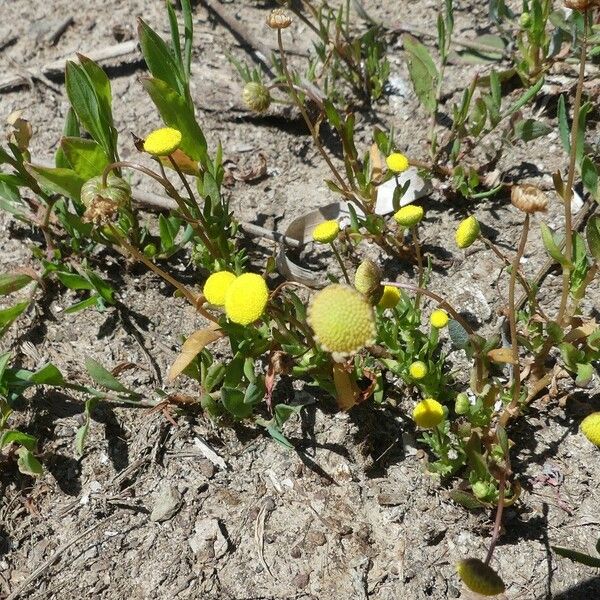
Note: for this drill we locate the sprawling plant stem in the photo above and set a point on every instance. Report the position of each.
(568, 189)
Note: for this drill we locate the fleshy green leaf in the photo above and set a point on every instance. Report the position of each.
(592, 233)
(83, 431)
(86, 157)
(10, 282)
(423, 72)
(13, 436)
(65, 182)
(530, 129)
(9, 315)
(580, 557)
(552, 247)
(103, 377)
(28, 464)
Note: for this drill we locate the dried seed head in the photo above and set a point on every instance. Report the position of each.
(367, 280)
(256, 96)
(528, 198)
(581, 5)
(102, 202)
(279, 19)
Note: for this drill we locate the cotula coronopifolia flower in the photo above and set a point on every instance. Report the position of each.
(256, 96)
(581, 5)
(390, 297)
(342, 320)
(397, 163)
(367, 280)
(590, 427)
(246, 299)
(326, 232)
(479, 577)
(102, 202)
(439, 318)
(216, 286)
(528, 198)
(163, 141)
(467, 232)
(418, 370)
(428, 413)
(409, 215)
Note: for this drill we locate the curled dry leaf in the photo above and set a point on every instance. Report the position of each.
(194, 344)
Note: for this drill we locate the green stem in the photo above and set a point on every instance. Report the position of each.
(415, 235)
(341, 262)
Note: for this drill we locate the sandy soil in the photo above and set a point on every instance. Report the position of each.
(353, 513)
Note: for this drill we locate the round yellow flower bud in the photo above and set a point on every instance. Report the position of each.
(590, 427)
(409, 215)
(163, 141)
(462, 405)
(342, 320)
(367, 280)
(246, 299)
(391, 297)
(439, 318)
(396, 162)
(418, 370)
(479, 577)
(216, 286)
(256, 96)
(326, 232)
(428, 413)
(467, 232)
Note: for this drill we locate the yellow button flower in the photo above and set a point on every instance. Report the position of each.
(590, 427)
(467, 232)
(391, 297)
(342, 320)
(418, 370)
(216, 286)
(439, 318)
(326, 232)
(163, 141)
(428, 413)
(409, 215)
(396, 162)
(479, 577)
(246, 299)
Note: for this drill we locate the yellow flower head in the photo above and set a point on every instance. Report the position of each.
(246, 299)
(428, 413)
(342, 320)
(163, 141)
(216, 286)
(409, 215)
(326, 232)
(391, 297)
(418, 370)
(479, 577)
(467, 232)
(396, 162)
(256, 96)
(590, 427)
(439, 318)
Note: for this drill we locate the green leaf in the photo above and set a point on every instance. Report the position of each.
(175, 43)
(13, 436)
(552, 247)
(65, 182)
(70, 129)
(527, 96)
(83, 431)
(87, 303)
(502, 439)
(592, 233)
(87, 105)
(423, 72)
(589, 176)
(73, 281)
(28, 464)
(103, 377)
(47, 375)
(10, 282)
(563, 124)
(9, 315)
(176, 113)
(233, 401)
(86, 157)
(580, 557)
(284, 411)
(530, 129)
(159, 58)
(276, 434)
(571, 355)
(585, 372)
(167, 238)
(469, 501)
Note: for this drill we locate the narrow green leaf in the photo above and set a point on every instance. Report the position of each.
(103, 377)
(176, 113)
(589, 177)
(530, 129)
(592, 233)
(527, 97)
(28, 464)
(65, 182)
(70, 129)
(552, 247)
(87, 303)
(580, 557)
(13, 436)
(9, 315)
(47, 375)
(423, 72)
(10, 282)
(85, 157)
(469, 501)
(83, 431)
(563, 124)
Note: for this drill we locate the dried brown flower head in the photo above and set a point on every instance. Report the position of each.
(528, 198)
(279, 19)
(581, 5)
